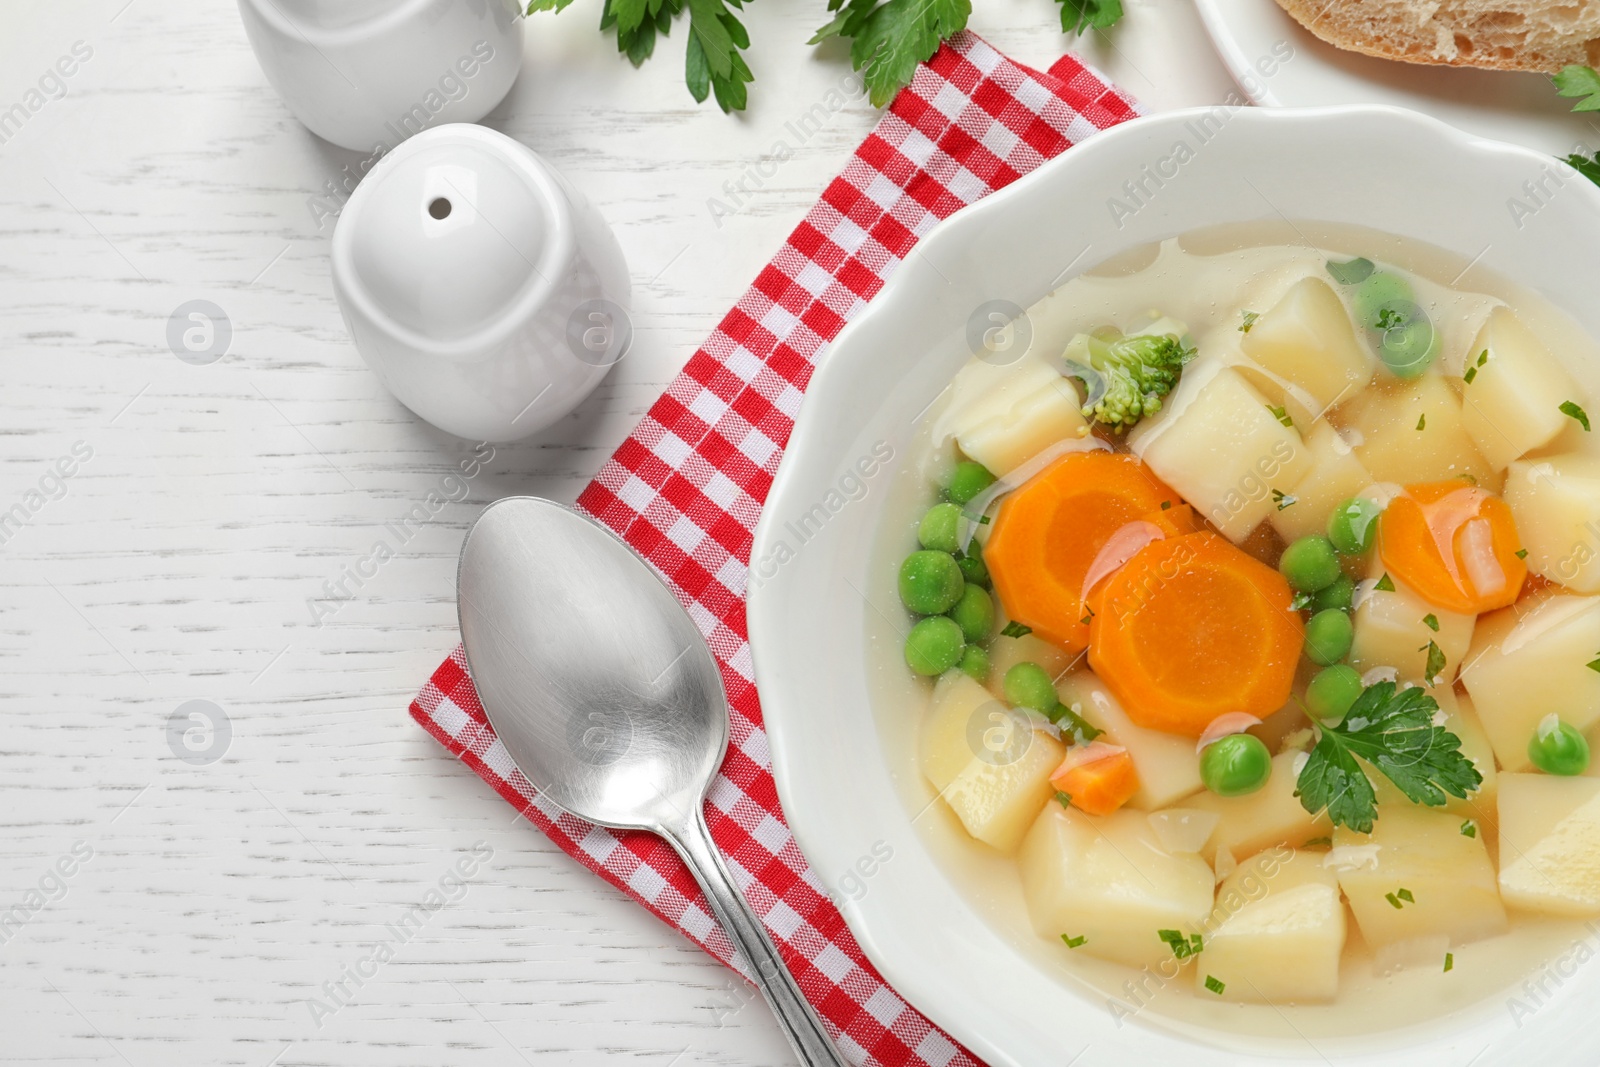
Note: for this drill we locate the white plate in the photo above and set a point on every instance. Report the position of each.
(825, 624)
(1254, 35)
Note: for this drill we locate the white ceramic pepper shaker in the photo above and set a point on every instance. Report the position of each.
(367, 74)
(479, 284)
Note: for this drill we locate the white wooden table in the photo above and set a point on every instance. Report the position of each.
(181, 559)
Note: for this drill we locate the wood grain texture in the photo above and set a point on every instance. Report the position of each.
(180, 561)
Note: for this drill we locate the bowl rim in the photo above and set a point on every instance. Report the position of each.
(766, 613)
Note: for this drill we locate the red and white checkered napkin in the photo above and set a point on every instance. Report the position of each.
(686, 488)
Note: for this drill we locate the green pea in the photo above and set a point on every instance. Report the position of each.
(1382, 290)
(968, 481)
(1337, 597)
(1329, 635)
(941, 529)
(975, 664)
(1559, 749)
(1235, 765)
(930, 582)
(1310, 564)
(1332, 691)
(1354, 525)
(974, 613)
(1408, 349)
(1028, 685)
(973, 569)
(934, 645)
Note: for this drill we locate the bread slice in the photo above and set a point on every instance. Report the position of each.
(1543, 35)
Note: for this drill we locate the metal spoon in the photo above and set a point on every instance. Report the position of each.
(604, 693)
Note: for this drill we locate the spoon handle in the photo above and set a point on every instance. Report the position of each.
(800, 1023)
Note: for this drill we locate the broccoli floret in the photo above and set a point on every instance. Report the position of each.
(1134, 374)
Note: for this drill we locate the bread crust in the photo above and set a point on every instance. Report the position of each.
(1513, 35)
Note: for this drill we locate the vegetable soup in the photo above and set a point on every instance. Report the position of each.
(1258, 607)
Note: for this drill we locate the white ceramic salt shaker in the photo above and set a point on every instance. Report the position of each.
(479, 284)
(367, 74)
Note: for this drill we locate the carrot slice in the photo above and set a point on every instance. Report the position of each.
(1049, 532)
(1455, 544)
(1099, 787)
(1193, 628)
(1176, 521)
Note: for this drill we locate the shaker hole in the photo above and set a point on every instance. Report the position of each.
(440, 208)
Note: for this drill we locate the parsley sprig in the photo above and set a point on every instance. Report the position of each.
(1576, 81)
(1394, 732)
(888, 38)
(714, 60)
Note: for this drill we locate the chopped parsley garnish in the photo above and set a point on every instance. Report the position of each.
(1522, 553)
(1182, 947)
(1394, 731)
(1070, 721)
(1016, 629)
(1573, 411)
(1422, 421)
(1074, 942)
(1316, 842)
(1065, 800)
(1166, 505)
(1250, 318)
(1301, 602)
(1385, 584)
(1388, 319)
(1214, 985)
(1431, 621)
(1449, 962)
(1469, 829)
(1435, 665)
(1472, 371)
(1405, 895)
(1594, 664)
(1393, 900)
(1283, 500)
(1089, 615)
(1280, 413)
(1351, 272)
(1581, 83)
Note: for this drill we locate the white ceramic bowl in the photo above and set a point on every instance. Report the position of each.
(822, 607)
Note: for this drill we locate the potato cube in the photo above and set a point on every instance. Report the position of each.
(1391, 631)
(1550, 844)
(1168, 767)
(1335, 476)
(1421, 853)
(987, 761)
(1531, 660)
(1513, 403)
(1556, 505)
(1017, 413)
(1272, 815)
(1307, 339)
(1225, 452)
(1109, 881)
(1277, 932)
(1413, 432)
(1006, 652)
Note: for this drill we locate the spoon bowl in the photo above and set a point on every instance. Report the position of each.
(590, 671)
(605, 695)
